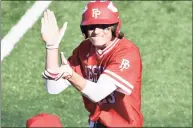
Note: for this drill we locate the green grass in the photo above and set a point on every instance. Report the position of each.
(11, 12)
(161, 30)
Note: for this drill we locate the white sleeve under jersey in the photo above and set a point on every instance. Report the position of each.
(94, 91)
(98, 91)
(55, 87)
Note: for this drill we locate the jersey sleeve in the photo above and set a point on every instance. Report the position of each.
(125, 70)
(74, 61)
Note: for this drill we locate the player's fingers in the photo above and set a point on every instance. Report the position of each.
(53, 18)
(67, 76)
(42, 25)
(45, 17)
(63, 59)
(49, 16)
(63, 29)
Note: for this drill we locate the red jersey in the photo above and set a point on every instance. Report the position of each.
(120, 61)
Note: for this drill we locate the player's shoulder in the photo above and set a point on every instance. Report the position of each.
(127, 45)
(85, 44)
(83, 48)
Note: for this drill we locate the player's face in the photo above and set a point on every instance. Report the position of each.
(100, 35)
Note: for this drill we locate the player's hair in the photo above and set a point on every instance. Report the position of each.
(113, 29)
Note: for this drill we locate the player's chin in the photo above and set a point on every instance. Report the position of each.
(96, 42)
(98, 45)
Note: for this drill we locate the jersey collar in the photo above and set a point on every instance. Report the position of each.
(101, 53)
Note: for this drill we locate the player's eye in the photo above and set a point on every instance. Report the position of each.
(101, 26)
(91, 27)
(104, 26)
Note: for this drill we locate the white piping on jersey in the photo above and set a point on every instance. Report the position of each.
(101, 53)
(119, 78)
(120, 87)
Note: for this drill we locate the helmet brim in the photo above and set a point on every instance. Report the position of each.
(97, 21)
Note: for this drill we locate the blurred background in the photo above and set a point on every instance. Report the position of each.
(161, 29)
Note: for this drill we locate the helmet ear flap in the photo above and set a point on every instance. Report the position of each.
(118, 29)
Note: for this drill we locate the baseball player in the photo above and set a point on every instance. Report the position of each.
(106, 67)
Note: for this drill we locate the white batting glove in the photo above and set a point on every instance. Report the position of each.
(50, 31)
(64, 71)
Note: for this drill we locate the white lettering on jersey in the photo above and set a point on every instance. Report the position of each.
(93, 72)
(110, 99)
(95, 12)
(124, 64)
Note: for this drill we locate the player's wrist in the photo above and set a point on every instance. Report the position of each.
(52, 46)
(70, 77)
(51, 51)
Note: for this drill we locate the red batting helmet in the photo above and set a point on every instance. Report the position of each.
(43, 120)
(101, 12)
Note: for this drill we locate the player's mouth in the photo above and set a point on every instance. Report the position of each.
(96, 36)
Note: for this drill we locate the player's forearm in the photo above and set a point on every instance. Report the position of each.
(51, 58)
(94, 91)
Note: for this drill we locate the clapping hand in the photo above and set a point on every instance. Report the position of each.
(51, 34)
